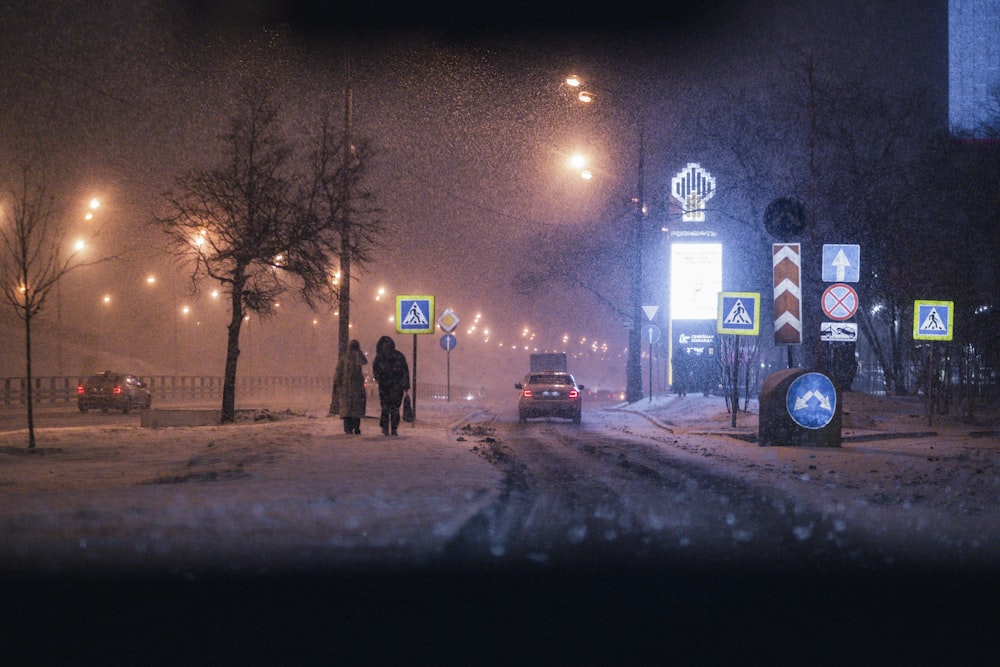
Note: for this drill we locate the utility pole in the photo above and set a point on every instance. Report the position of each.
(633, 365)
(344, 293)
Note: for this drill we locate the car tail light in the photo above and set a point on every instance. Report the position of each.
(117, 390)
(79, 389)
(527, 393)
(573, 393)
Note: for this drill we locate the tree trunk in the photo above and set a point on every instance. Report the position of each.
(232, 356)
(868, 329)
(898, 375)
(29, 392)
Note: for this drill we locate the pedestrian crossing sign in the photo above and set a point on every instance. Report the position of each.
(739, 313)
(415, 314)
(933, 320)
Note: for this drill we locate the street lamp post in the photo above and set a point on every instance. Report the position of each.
(633, 365)
(633, 362)
(344, 293)
(92, 206)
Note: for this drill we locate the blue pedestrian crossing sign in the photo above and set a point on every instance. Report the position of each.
(415, 314)
(739, 313)
(811, 400)
(933, 320)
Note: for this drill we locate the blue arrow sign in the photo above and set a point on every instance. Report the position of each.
(448, 342)
(651, 333)
(841, 263)
(811, 400)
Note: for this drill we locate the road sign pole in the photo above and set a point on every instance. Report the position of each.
(650, 372)
(448, 374)
(413, 424)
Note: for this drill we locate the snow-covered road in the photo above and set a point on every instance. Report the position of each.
(659, 514)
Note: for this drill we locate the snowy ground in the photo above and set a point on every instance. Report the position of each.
(117, 506)
(114, 496)
(932, 489)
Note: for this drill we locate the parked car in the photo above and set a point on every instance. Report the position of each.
(113, 391)
(608, 396)
(550, 394)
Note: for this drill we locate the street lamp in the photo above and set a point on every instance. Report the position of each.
(633, 364)
(78, 246)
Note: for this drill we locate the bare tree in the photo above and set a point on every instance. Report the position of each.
(850, 151)
(31, 236)
(247, 224)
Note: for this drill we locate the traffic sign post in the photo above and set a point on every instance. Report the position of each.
(841, 263)
(651, 334)
(448, 321)
(786, 263)
(842, 332)
(840, 302)
(448, 343)
(415, 315)
(933, 320)
(799, 408)
(739, 313)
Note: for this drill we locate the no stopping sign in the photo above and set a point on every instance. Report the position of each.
(840, 302)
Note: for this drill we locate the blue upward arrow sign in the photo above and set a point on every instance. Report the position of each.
(841, 263)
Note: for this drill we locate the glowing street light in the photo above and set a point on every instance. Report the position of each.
(93, 206)
(578, 162)
(633, 364)
(584, 96)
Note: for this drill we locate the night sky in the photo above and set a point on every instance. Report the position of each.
(471, 125)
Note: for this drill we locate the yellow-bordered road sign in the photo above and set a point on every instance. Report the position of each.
(739, 313)
(414, 314)
(933, 320)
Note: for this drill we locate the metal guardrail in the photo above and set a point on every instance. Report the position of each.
(61, 390)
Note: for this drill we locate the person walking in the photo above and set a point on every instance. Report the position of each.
(393, 376)
(349, 384)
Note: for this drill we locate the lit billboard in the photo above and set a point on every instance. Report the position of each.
(695, 280)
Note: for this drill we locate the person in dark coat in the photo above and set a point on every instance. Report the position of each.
(393, 376)
(349, 383)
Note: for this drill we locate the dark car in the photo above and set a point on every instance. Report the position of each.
(113, 391)
(550, 394)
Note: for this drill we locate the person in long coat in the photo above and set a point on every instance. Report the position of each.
(393, 376)
(349, 383)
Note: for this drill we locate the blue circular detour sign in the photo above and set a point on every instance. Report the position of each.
(811, 400)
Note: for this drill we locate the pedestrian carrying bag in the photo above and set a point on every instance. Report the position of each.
(407, 409)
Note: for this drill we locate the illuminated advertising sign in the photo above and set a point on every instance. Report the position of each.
(695, 280)
(692, 188)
